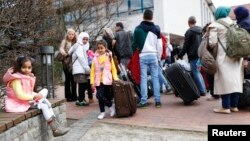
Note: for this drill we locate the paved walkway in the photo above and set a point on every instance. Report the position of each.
(173, 115)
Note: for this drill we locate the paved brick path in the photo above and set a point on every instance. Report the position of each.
(172, 115)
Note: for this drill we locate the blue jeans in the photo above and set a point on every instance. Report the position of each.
(162, 79)
(198, 79)
(230, 100)
(151, 62)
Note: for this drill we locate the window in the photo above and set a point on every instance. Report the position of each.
(123, 7)
(136, 4)
(148, 3)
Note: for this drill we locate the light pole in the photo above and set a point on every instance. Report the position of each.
(47, 58)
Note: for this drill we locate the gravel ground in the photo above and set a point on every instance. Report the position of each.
(114, 132)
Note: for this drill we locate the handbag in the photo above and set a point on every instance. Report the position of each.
(58, 56)
(207, 56)
(67, 63)
(80, 78)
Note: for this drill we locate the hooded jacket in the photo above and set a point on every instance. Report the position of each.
(79, 55)
(103, 69)
(147, 39)
(13, 103)
(243, 18)
(193, 37)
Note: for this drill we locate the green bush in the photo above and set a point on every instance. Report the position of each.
(58, 72)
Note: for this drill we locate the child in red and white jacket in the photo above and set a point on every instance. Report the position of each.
(102, 74)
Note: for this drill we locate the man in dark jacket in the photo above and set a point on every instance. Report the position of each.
(243, 20)
(193, 37)
(123, 44)
(242, 17)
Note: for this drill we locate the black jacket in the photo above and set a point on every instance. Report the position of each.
(245, 23)
(193, 37)
(123, 46)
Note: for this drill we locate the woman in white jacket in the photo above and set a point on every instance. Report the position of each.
(80, 66)
(228, 80)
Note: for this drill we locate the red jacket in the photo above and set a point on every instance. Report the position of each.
(164, 47)
(134, 67)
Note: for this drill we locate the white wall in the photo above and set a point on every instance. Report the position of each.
(172, 15)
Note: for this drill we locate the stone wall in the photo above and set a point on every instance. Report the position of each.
(34, 128)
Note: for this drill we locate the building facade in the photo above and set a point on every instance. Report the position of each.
(170, 15)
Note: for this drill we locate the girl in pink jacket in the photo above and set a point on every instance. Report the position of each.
(20, 82)
(102, 73)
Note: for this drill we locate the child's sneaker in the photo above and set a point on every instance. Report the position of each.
(112, 110)
(101, 115)
(83, 103)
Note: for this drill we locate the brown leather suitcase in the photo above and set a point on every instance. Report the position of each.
(125, 98)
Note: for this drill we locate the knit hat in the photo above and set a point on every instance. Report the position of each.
(241, 13)
(222, 12)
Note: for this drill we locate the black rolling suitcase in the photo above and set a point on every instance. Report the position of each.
(182, 82)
